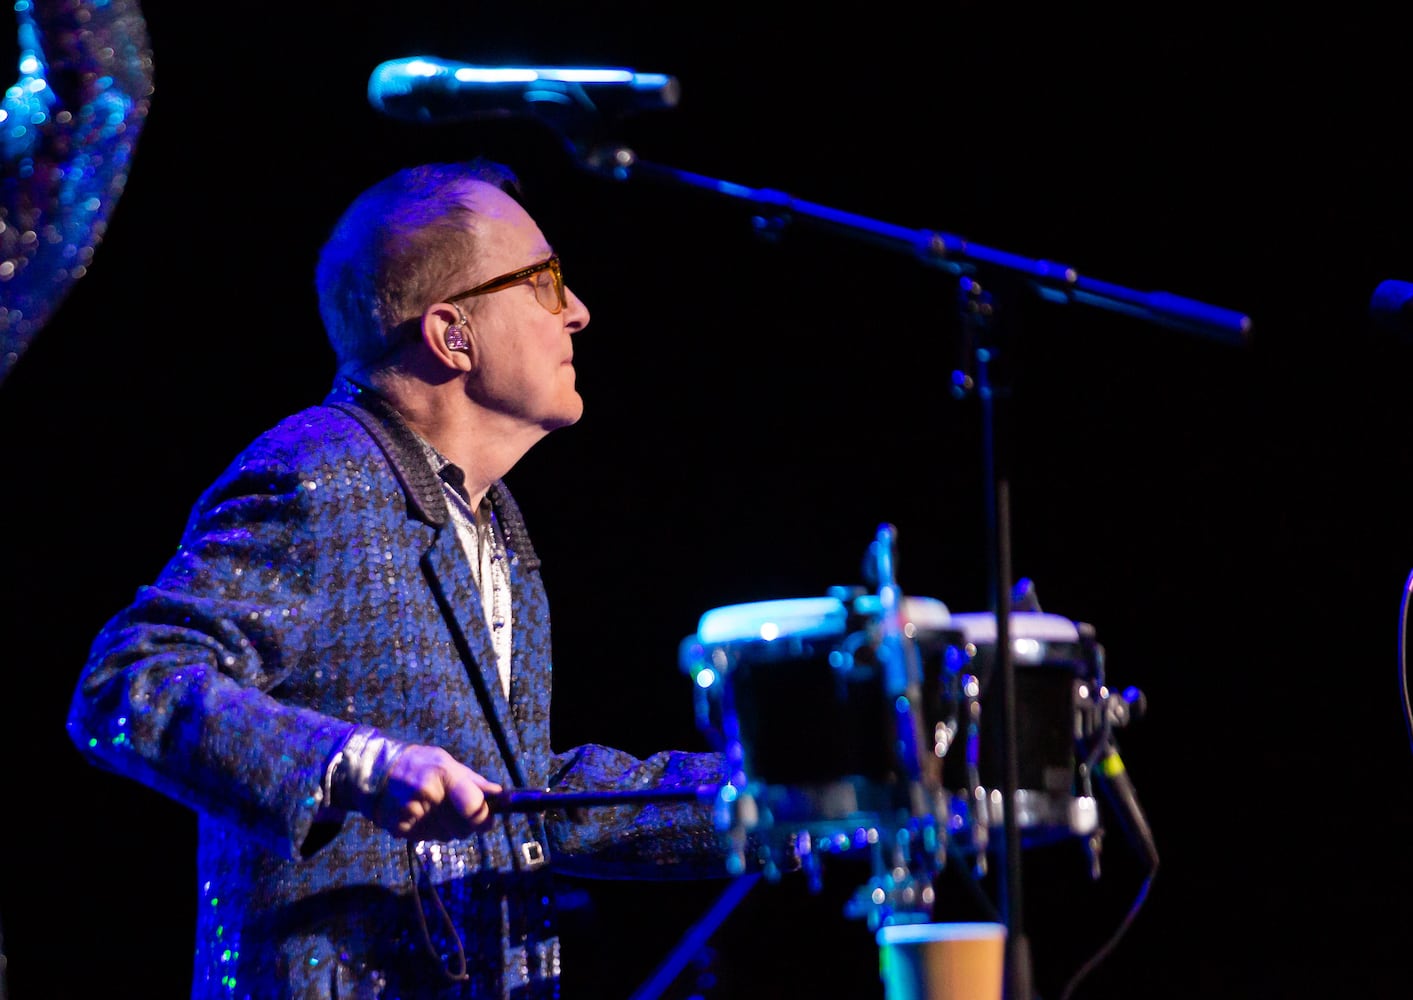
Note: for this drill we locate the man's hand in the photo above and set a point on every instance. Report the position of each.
(430, 795)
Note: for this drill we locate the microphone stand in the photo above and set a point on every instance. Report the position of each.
(980, 350)
(1052, 282)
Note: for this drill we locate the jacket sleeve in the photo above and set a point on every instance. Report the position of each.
(176, 692)
(668, 839)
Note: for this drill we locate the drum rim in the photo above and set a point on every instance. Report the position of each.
(791, 617)
(980, 626)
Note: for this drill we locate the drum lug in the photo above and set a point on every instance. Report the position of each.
(1094, 847)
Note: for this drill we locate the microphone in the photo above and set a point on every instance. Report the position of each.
(428, 90)
(1391, 307)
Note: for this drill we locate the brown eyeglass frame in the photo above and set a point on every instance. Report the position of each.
(550, 264)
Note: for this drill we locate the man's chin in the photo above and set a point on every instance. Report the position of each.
(569, 417)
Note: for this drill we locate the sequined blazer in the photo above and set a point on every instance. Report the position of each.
(320, 583)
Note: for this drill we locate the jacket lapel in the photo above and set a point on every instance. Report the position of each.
(444, 562)
(529, 657)
(460, 602)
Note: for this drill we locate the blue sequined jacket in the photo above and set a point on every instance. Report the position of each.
(320, 584)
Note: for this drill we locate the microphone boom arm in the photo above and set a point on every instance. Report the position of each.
(1053, 282)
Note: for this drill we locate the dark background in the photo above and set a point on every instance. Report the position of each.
(1230, 520)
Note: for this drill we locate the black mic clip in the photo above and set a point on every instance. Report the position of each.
(609, 160)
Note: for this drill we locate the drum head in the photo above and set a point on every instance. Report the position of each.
(801, 617)
(980, 627)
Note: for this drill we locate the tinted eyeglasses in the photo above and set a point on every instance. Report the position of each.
(545, 276)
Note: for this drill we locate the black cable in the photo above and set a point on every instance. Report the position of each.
(1115, 781)
(1108, 946)
(1403, 656)
(4, 963)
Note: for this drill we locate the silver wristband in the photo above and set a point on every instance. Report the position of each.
(358, 771)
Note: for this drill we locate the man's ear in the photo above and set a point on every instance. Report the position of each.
(447, 334)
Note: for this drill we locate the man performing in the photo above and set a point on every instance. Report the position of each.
(345, 666)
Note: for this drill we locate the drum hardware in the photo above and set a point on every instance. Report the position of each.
(860, 723)
(820, 705)
(1070, 716)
